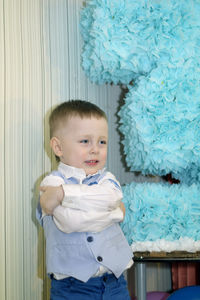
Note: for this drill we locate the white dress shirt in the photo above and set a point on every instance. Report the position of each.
(86, 208)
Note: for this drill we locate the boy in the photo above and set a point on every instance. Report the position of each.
(86, 250)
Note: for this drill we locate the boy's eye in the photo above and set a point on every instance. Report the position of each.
(84, 141)
(103, 142)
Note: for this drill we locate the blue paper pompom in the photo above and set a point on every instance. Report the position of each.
(160, 122)
(114, 33)
(124, 39)
(161, 211)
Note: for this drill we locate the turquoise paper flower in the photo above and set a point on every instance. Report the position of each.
(160, 122)
(161, 211)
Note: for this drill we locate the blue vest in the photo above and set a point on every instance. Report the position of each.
(80, 254)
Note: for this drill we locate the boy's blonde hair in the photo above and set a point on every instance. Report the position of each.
(83, 109)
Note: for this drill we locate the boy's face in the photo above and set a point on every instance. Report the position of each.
(83, 143)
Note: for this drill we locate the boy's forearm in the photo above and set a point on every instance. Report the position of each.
(96, 197)
(71, 220)
(86, 208)
(79, 197)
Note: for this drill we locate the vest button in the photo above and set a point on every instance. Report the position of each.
(99, 258)
(90, 239)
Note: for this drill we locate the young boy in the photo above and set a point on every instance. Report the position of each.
(86, 251)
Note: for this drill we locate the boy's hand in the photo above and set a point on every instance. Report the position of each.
(122, 208)
(50, 198)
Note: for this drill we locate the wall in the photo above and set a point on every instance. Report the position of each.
(39, 68)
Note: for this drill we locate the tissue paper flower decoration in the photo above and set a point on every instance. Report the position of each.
(124, 39)
(114, 35)
(161, 211)
(160, 122)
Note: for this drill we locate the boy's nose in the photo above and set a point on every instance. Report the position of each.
(94, 149)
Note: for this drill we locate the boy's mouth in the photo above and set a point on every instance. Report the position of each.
(92, 162)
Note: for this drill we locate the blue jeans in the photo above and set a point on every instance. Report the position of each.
(106, 287)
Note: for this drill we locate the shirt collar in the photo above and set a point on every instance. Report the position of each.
(79, 174)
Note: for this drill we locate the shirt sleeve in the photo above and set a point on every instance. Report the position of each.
(104, 196)
(71, 220)
(50, 180)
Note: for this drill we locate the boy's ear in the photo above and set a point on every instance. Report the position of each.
(56, 146)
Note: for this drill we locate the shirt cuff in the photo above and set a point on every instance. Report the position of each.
(117, 215)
